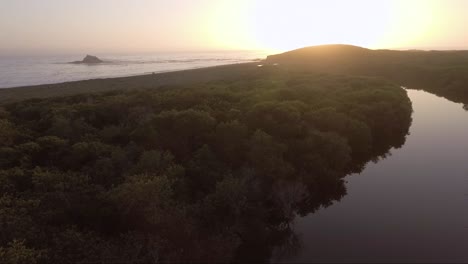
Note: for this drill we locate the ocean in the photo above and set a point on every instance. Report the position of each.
(18, 71)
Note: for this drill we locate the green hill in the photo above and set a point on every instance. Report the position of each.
(444, 73)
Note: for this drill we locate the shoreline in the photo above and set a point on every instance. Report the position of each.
(122, 76)
(141, 81)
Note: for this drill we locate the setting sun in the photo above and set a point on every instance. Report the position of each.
(280, 25)
(146, 26)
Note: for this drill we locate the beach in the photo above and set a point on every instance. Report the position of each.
(145, 81)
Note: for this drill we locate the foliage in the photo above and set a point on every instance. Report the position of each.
(440, 72)
(16, 253)
(198, 173)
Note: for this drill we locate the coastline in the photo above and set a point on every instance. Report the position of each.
(143, 81)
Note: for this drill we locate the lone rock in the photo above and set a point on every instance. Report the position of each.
(89, 59)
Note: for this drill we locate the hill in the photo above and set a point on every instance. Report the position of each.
(444, 73)
(322, 52)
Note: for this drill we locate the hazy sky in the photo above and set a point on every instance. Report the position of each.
(91, 26)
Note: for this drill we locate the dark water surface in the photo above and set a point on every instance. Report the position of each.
(409, 207)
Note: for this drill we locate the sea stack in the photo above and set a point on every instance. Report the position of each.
(89, 59)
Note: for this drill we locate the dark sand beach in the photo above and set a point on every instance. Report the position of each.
(193, 76)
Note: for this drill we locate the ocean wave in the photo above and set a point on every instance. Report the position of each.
(163, 61)
(24, 71)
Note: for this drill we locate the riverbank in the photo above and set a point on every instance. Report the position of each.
(428, 174)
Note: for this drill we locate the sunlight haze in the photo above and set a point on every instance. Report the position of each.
(57, 26)
(233, 131)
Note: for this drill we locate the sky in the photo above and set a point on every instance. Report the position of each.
(135, 26)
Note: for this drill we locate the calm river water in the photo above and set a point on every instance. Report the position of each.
(409, 207)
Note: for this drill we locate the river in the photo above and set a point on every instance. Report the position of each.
(409, 207)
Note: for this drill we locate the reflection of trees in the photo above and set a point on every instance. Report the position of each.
(299, 198)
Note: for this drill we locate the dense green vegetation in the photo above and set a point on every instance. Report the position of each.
(213, 172)
(444, 73)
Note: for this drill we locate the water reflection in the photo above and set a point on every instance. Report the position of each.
(409, 207)
(277, 239)
(465, 107)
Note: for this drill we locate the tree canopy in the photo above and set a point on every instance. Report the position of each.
(186, 173)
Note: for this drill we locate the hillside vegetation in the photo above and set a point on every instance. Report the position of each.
(444, 73)
(209, 172)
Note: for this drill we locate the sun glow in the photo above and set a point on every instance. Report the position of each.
(284, 25)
